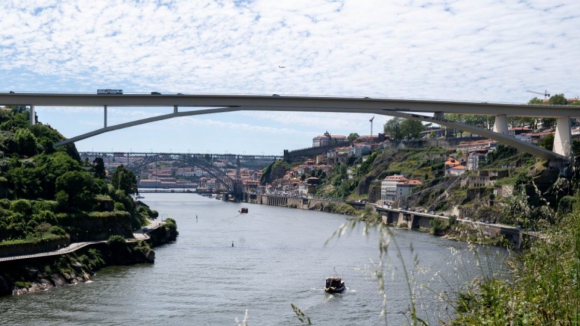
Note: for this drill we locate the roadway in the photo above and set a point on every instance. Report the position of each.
(460, 220)
(288, 103)
(230, 103)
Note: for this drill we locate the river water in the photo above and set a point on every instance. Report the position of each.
(278, 258)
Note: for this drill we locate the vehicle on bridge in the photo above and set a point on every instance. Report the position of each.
(109, 91)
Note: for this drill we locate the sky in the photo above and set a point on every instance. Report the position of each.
(485, 50)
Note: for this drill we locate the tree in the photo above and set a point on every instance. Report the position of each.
(411, 128)
(393, 128)
(26, 142)
(547, 142)
(548, 123)
(75, 189)
(125, 180)
(353, 136)
(535, 100)
(99, 167)
(558, 99)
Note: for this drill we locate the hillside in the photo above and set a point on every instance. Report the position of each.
(49, 198)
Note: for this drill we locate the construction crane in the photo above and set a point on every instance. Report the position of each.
(545, 93)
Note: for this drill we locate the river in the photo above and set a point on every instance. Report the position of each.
(278, 258)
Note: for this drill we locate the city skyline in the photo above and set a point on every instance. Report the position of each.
(489, 51)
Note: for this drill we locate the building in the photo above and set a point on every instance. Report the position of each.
(475, 158)
(483, 179)
(360, 149)
(468, 146)
(456, 170)
(328, 139)
(396, 186)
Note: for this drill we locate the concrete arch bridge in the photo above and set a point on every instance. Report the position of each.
(410, 109)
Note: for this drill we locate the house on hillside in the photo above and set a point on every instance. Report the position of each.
(475, 158)
(396, 186)
(454, 167)
(360, 149)
(483, 179)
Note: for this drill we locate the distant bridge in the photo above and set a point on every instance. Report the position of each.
(137, 160)
(388, 107)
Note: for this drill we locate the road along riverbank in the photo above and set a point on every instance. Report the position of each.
(455, 229)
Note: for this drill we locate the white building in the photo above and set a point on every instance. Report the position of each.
(360, 149)
(396, 186)
(475, 158)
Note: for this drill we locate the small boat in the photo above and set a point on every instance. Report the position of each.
(334, 285)
(243, 210)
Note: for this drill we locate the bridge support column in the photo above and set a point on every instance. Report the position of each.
(501, 124)
(563, 137)
(105, 116)
(32, 115)
(439, 115)
(175, 109)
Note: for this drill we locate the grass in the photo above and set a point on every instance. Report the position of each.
(544, 290)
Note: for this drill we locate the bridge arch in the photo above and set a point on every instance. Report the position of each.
(503, 138)
(191, 160)
(390, 107)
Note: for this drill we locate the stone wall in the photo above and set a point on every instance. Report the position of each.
(310, 151)
(33, 248)
(446, 143)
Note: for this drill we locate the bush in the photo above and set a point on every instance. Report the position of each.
(57, 230)
(119, 207)
(452, 220)
(21, 206)
(44, 205)
(438, 225)
(116, 244)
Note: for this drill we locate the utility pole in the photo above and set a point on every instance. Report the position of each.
(371, 121)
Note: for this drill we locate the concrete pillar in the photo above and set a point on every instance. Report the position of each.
(501, 124)
(105, 116)
(175, 109)
(439, 115)
(32, 115)
(563, 137)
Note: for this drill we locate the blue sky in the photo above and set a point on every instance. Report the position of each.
(488, 50)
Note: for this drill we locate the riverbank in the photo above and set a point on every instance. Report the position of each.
(41, 272)
(459, 230)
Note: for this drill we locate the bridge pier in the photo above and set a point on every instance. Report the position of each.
(501, 124)
(563, 137)
(32, 116)
(105, 116)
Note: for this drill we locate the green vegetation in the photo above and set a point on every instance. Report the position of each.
(361, 183)
(274, 171)
(544, 288)
(48, 192)
(399, 128)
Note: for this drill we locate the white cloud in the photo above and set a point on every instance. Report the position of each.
(487, 50)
